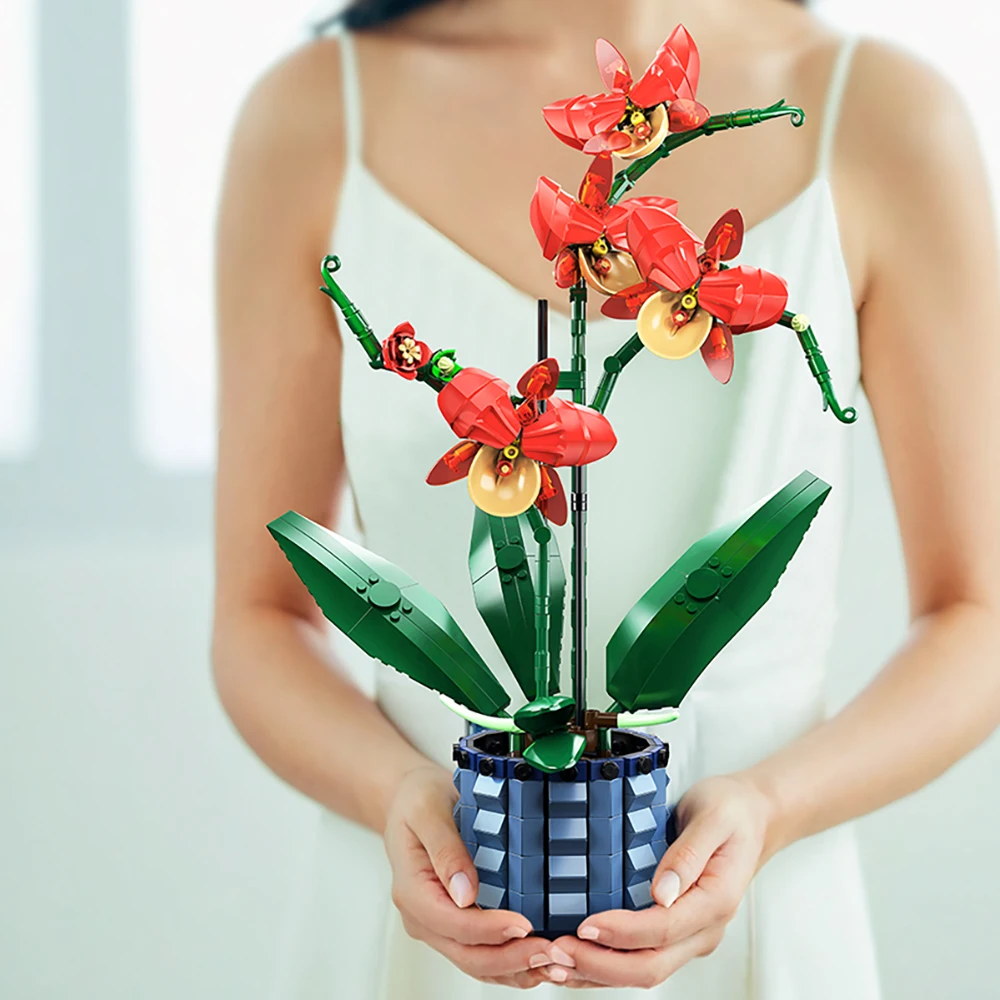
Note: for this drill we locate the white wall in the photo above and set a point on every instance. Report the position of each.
(145, 853)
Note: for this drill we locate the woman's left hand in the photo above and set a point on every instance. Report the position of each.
(723, 824)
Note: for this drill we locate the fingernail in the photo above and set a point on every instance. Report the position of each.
(667, 889)
(559, 956)
(460, 890)
(515, 932)
(558, 975)
(537, 961)
(588, 933)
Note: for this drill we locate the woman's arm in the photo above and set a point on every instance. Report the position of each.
(280, 447)
(930, 348)
(930, 344)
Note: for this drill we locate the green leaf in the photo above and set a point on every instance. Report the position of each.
(681, 623)
(503, 564)
(387, 613)
(556, 752)
(546, 714)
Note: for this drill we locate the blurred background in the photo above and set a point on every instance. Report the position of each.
(144, 852)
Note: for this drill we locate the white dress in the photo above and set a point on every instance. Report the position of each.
(802, 932)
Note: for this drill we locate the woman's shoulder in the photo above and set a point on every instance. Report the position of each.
(296, 104)
(286, 152)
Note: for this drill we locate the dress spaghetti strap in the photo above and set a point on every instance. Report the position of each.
(834, 99)
(351, 85)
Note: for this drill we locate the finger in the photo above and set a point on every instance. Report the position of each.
(627, 930)
(424, 903)
(433, 826)
(521, 981)
(644, 968)
(687, 857)
(527, 958)
(713, 899)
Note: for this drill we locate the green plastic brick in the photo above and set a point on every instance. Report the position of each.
(503, 564)
(682, 622)
(387, 613)
(556, 752)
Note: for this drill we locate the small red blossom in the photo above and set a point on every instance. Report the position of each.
(692, 302)
(509, 451)
(403, 353)
(633, 118)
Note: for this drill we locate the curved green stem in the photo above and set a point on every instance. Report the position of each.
(499, 723)
(353, 316)
(817, 364)
(613, 365)
(744, 118)
(656, 717)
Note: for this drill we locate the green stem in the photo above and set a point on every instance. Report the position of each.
(578, 511)
(613, 366)
(353, 316)
(543, 534)
(817, 364)
(744, 118)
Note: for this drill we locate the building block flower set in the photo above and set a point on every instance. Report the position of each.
(563, 806)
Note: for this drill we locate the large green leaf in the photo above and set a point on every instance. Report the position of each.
(503, 564)
(387, 613)
(682, 622)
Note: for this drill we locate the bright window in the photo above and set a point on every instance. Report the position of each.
(18, 244)
(192, 63)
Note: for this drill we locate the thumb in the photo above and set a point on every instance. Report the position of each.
(686, 859)
(435, 829)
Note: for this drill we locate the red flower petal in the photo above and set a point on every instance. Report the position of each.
(613, 67)
(616, 217)
(672, 74)
(664, 249)
(477, 406)
(540, 380)
(725, 238)
(576, 119)
(559, 220)
(747, 298)
(717, 352)
(453, 464)
(626, 304)
(608, 141)
(567, 434)
(567, 269)
(685, 114)
(596, 183)
(552, 497)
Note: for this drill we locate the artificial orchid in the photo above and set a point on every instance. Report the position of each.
(587, 237)
(699, 303)
(509, 448)
(633, 118)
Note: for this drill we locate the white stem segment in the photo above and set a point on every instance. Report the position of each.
(499, 723)
(656, 717)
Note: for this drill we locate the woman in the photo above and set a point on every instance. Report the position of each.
(416, 140)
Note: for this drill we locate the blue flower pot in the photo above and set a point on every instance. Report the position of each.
(559, 847)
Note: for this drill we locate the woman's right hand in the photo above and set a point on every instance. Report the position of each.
(434, 886)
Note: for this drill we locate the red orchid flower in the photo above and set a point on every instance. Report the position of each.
(700, 305)
(509, 450)
(403, 353)
(634, 117)
(585, 235)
